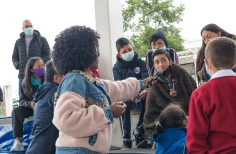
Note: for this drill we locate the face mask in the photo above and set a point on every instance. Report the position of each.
(163, 48)
(128, 56)
(39, 72)
(29, 31)
(153, 50)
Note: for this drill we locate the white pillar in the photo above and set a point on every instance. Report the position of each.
(8, 99)
(109, 24)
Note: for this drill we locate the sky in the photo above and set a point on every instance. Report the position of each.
(52, 16)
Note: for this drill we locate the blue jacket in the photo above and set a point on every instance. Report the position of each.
(135, 68)
(1, 95)
(171, 141)
(44, 133)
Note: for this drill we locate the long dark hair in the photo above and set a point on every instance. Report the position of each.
(171, 117)
(200, 56)
(28, 87)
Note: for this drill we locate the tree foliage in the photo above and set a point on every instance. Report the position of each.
(141, 18)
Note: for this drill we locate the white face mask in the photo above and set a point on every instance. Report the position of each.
(163, 48)
(128, 56)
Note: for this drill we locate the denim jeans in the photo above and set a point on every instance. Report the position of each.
(73, 150)
(20, 83)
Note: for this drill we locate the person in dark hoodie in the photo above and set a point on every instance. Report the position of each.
(30, 44)
(129, 64)
(44, 133)
(159, 41)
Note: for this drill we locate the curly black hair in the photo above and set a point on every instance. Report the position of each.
(75, 48)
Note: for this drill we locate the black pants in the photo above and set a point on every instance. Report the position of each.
(18, 116)
(126, 123)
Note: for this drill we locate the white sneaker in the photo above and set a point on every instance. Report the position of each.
(18, 146)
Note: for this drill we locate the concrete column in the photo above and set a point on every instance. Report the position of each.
(109, 24)
(8, 99)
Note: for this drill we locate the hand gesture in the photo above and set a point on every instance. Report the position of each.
(173, 93)
(118, 108)
(133, 99)
(149, 81)
(143, 94)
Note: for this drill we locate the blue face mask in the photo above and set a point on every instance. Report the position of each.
(128, 56)
(29, 31)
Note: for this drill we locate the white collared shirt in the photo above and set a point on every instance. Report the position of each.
(222, 73)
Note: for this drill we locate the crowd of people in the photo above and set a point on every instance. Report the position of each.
(74, 108)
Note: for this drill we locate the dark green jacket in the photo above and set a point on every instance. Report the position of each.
(38, 48)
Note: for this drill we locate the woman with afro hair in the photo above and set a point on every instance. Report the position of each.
(84, 108)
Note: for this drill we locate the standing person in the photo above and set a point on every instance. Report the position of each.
(30, 44)
(1, 96)
(173, 85)
(209, 131)
(129, 64)
(34, 72)
(170, 136)
(44, 133)
(158, 41)
(84, 108)
(208, 33)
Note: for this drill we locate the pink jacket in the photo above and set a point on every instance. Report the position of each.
(76, 123)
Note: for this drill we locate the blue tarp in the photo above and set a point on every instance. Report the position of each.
(7, 139)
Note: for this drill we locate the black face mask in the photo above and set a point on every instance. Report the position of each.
(166, 72)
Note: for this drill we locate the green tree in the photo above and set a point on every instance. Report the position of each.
(141, 18)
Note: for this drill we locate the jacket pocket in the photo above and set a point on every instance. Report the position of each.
(92, 139)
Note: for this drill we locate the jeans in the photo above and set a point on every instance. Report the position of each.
(125, 120)
(20, 83)
(73, 150)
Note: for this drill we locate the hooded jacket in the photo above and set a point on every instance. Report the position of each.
(44, 133)
(38, 48)
(172, 52)
(134, 68)
(171, 141)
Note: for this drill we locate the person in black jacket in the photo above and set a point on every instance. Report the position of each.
(44, 133)
(30, 44)
(1, 96)
(129, 64)
(34, 73)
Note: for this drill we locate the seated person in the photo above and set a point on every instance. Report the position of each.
(173, 85)
(129, 64)
(170, 136)
(158, 41)
(34, 72)
(44, 133)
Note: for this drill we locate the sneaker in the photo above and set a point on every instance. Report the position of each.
(138, 138)
(18, 146)
(127, 144)
(146, 144)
